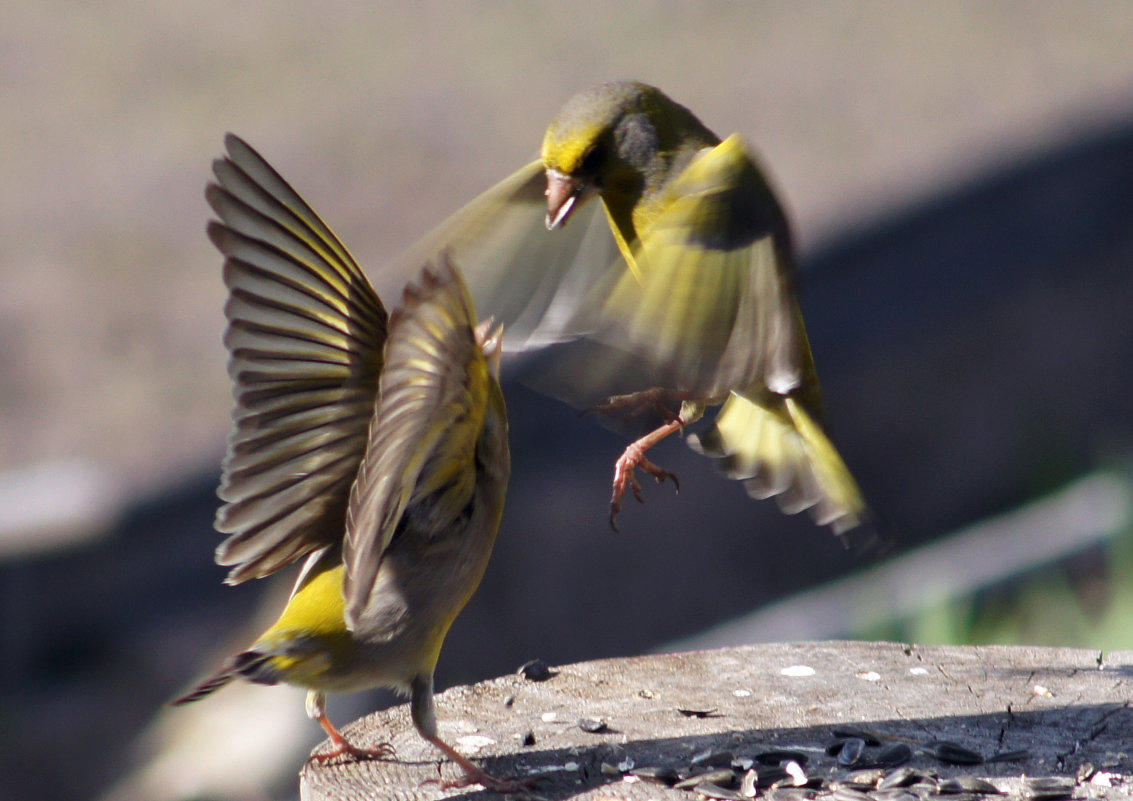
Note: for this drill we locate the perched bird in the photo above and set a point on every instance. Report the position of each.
(677, 296)
(381, 461)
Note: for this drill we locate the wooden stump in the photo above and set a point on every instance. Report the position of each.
(1029, 713)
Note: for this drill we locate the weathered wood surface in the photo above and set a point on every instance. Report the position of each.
(1066, 708)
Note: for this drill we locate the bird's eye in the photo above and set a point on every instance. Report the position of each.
(592, 160)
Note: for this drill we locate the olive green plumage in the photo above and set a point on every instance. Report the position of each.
(678, 277)
(374, 448)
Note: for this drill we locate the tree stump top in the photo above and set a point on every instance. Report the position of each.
(1041, 723)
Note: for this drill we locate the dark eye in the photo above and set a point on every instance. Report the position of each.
(592, 160)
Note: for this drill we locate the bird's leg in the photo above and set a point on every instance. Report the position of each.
(316, 710)
(634, 457)
(424, 713)
(476, 775)
(635, 404)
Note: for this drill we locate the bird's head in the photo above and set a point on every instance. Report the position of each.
(605, 140)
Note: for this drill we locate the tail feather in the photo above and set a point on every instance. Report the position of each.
(206, 687)
(250, 665)
(779, 450)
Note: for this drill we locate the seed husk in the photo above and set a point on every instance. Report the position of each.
(722, 777)
(749, 784)
(656, 775)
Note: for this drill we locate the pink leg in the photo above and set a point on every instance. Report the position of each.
(634, 457)
(342, 747)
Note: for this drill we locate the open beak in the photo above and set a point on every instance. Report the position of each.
(562, 196)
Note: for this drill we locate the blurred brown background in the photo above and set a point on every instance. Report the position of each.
(960, 176)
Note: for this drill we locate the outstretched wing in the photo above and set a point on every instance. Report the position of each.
(708, 302)
(528, 279)
(305, 336)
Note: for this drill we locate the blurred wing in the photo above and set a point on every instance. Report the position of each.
(420, 464)
(529, 279)
(305, 336)
(777, 449)
(710, 304)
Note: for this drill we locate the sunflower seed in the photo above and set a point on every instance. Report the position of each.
(721, 777)
(712, 759)
(924, 787)
(767, 775)
(790, 794)
(894, 794)
(954, 753)
(967, 784)
(961, 797)
(1048, 788)
(710, 790)
(864, 779)
(779, 756)
(844, 793)
(1019, 755)
(535, 670)
(846, 732)
(698, 713)
(850, 754)
(893, 755)
(902, 777)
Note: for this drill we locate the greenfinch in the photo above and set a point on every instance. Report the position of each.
(677, 296)
(380, 460)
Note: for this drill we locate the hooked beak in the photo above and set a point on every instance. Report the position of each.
(563, 193)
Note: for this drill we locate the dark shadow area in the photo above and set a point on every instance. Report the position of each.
(1057, 742)
(974, 352)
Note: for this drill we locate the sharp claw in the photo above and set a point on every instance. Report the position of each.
(381, 751)
(506, 785)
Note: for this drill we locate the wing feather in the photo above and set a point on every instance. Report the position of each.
(713, 310)
(530, 280)
(420, 460)
(305, 336)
